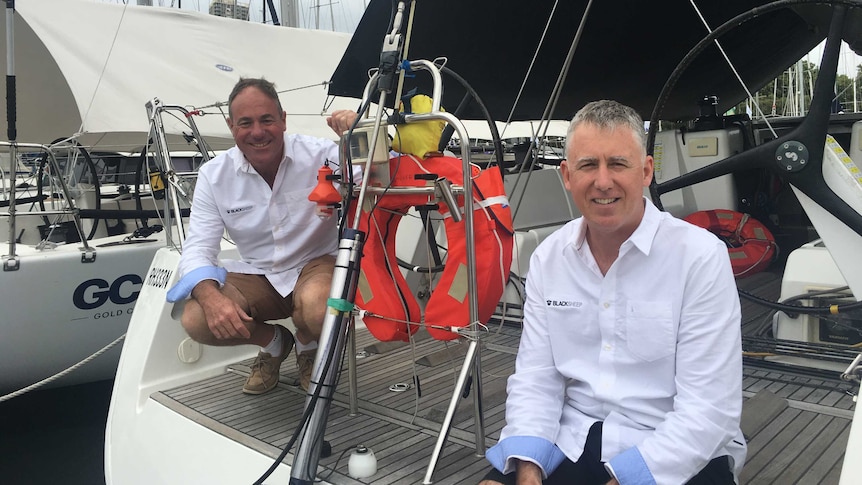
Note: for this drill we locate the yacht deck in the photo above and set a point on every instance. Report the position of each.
(796, 422)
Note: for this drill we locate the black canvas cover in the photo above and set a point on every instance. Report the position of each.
(627, 51)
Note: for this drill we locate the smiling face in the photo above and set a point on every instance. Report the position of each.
(258, 127)
(606, 171)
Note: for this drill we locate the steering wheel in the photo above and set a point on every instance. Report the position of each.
(796, 157)
(88, 171)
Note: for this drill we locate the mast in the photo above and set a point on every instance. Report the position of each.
(800, 88)
(316, 7)
(289, 15)
(855, 108)
(774, 94)
(11, 96)
(10, 261)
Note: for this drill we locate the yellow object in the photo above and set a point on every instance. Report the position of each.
(419, 138)
(156, 182)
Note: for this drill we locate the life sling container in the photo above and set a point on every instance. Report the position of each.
(392, 311)
(749, 243)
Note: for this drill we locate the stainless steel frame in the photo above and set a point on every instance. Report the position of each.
(343, 291)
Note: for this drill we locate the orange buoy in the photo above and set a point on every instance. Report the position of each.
(750, 245)
(325, 195)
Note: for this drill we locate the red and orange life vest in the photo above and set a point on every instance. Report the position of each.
(382, 291)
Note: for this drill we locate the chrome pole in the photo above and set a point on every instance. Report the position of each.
(472, 361)
(325, 371)
(342, 293)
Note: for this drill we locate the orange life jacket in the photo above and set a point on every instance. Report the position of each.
(382, 291)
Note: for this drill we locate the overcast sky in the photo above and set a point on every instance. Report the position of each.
(846, 63)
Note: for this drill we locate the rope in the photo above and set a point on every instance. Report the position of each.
(62, 373)
(463, 331)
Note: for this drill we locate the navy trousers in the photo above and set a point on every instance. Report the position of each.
(589, 469)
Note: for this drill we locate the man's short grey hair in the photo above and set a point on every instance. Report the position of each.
(607, 114)
(264, 86)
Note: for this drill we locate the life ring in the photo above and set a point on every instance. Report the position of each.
(750, 245)
(392, 311)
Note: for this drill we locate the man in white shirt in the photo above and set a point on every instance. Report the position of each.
(258, 192)
(629, 369)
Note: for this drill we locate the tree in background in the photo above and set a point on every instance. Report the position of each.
(779, 98)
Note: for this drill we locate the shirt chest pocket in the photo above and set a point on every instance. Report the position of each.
(650, 329)
(296, 209)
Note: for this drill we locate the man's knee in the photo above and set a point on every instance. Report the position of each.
(310, 300)
(194, 322)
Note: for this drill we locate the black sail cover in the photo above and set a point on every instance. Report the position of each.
(627, 51)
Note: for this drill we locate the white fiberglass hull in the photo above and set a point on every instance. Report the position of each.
(58, 310)
(154, 444)
(145, 442)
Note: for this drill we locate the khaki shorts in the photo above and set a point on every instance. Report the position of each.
(267, 304)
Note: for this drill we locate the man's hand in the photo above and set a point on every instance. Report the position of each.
(613, 482)
(341, 120)
(225, 318)
(526, 473)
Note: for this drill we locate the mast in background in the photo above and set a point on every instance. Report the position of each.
(289, 14)
(855, 105)
(800, 89)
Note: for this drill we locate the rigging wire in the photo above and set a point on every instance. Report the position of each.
(532, 62)
(733, 68)
(695, 51)
(665, 95)
(555, 96)
(104, 68)
(714, 34)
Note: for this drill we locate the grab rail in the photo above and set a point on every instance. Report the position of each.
(11, 262)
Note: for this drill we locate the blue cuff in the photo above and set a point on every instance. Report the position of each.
(545, 453)
(631, 469)
(184, 286)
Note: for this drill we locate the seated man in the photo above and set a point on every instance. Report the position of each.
(258, 192)
(629, 369)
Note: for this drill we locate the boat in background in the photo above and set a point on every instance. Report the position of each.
(96, 215)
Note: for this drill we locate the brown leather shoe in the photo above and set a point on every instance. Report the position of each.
(304, 364)
(265, 369)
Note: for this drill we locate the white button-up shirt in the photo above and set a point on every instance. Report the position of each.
(652, 348)
(276, 230)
